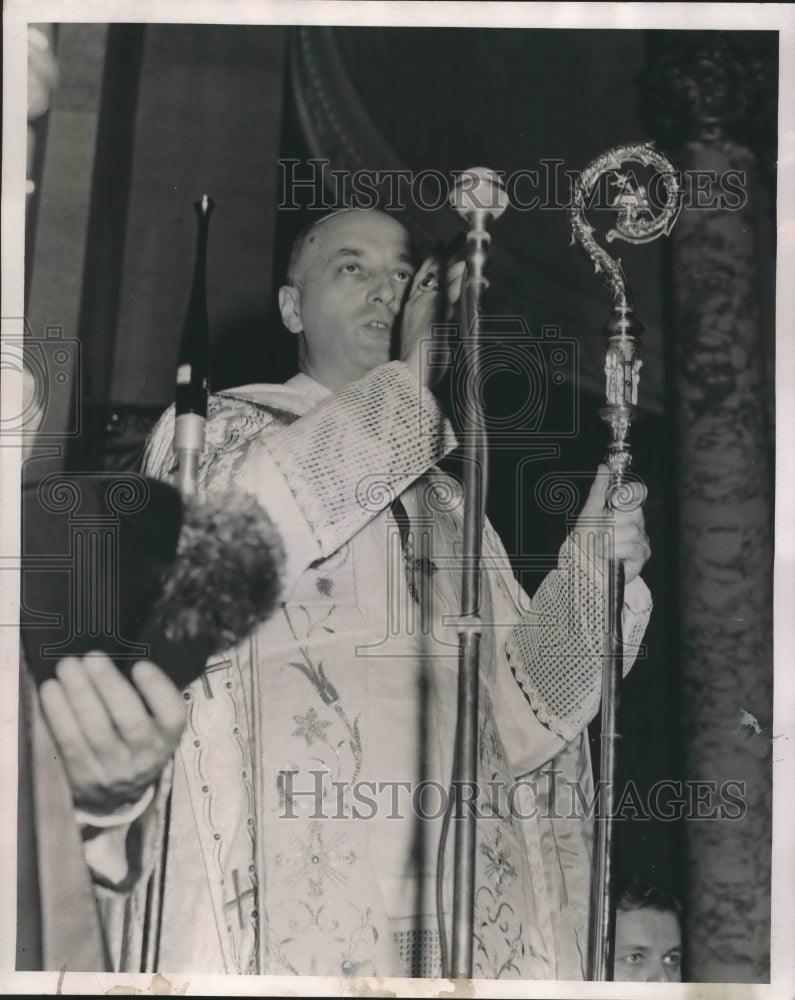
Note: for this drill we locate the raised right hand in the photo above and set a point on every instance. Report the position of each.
(421, 311)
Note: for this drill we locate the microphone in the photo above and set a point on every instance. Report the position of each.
(479, 197)
(125, 565)
(479, 192)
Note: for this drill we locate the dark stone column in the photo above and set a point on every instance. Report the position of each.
(709, 98)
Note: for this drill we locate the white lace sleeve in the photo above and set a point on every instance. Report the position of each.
(556, 652)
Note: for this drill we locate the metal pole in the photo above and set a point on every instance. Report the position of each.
(479, 197)
(194, 364)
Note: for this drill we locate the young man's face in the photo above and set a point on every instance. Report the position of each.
(352, 279)
(648, 947)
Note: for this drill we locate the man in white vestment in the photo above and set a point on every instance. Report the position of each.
(297, 830)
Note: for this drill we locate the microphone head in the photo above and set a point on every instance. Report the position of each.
(479, 190)
(172, 579)
(204, 206)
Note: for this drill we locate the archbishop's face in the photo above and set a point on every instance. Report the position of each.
(351, 283)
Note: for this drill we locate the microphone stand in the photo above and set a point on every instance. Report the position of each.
(635, 224)
(479, 197)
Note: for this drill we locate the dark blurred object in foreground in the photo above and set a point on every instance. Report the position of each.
(121, 564)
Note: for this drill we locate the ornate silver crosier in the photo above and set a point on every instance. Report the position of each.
(637, 221)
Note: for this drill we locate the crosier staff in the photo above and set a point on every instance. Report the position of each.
(635, 224)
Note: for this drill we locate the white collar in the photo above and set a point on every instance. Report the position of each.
(307, 386)
(299, 393)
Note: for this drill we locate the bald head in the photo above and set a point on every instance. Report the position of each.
(348, 276)
(308, 236)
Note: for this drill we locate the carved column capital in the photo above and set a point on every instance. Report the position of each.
(713, 87)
